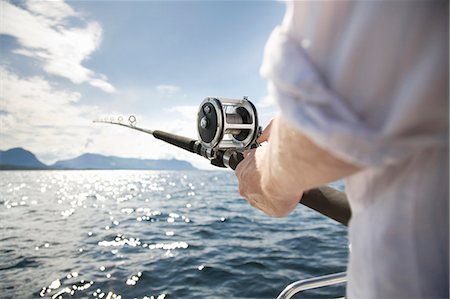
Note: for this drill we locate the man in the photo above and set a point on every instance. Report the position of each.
(363, 93)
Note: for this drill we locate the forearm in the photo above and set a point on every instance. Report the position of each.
(293, 163)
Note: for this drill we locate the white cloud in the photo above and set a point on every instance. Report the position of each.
(56, 10)
(33, 96)
(189, 112)
(266, 101)
(50, 121)
(39, 115)
(102, 84)
(43, 33)
(167, 89)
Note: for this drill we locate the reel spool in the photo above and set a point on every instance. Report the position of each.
(227, 124)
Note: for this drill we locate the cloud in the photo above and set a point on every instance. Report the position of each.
(43, 32)
(266, 101)
(167, 89)
(35, 107)
(51, 122)
(54, 10)
(46, 119)
(189, 112)
(33, 96)
(49, 118)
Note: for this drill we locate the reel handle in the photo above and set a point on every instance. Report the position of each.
(235, 159)
(230, 158)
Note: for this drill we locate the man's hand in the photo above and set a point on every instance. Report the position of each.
(274, 176)
(248, 173)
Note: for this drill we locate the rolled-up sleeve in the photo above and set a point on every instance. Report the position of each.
(412, 114)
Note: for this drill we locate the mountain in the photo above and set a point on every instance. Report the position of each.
(20, 158)
(96, 161)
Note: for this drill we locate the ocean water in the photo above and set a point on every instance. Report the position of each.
(166, 234)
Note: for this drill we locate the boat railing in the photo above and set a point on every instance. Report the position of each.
(312, 283)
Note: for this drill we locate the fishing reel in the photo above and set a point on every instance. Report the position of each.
(227, 127)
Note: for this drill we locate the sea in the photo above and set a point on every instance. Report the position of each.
(155, 234)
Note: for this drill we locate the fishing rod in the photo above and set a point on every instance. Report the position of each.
(225, 129)
(228, 127)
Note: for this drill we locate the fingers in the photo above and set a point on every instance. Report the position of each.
(249, 181)
(243, 165)
(243, 171)
(266, 133)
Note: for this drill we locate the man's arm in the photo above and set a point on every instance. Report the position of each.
(274, 176)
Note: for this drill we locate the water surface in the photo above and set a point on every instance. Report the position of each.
(166, 234)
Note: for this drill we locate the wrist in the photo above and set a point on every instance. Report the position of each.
(284, 195)
(279, 177)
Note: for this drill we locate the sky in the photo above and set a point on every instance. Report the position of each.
(64, 64)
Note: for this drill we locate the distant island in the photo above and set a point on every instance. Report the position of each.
(19, 158)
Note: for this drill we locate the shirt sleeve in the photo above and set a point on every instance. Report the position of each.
(330, 120)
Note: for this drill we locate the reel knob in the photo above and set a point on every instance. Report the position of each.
(204, 123)
(208, 123)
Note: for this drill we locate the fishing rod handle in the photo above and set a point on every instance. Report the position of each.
(194, 146)
(185, 143)
(329, 202)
